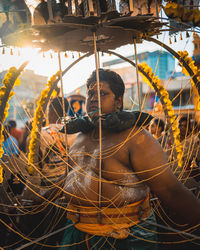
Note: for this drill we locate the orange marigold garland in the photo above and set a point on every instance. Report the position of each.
(6, 93)
(155, 83)
(191, 63)
(37, 122)
(178, 11)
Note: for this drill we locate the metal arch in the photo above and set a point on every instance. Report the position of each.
(47, 100)
(175, 54)
(63, 73)
(142, 71)
(154, 86)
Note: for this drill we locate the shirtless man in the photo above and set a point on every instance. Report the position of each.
(133, 163)
(52, 148)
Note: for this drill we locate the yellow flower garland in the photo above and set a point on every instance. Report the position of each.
(174, 10)
(196, 71)
(36, 123)
(10, 79)
(168, 105)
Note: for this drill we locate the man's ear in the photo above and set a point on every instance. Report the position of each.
(119, 103)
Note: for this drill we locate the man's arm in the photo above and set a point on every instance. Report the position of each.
(150, 164)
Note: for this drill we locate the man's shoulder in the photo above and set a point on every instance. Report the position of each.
(51, 128)
(139, 136)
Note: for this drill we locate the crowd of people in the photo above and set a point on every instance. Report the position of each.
(189, 140)
(106, 190)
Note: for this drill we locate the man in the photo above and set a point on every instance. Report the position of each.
(53, 143)
(14, 131)
(185, 127)
(108, 206)
(11, 149)
(53, 157)
(10, 144)
(156, 128)
(191, 147)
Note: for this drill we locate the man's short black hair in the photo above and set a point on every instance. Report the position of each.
(56, 105)
(12, 123)
(112, 78)
(160, 123)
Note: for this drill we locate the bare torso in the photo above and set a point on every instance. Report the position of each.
(120, 185)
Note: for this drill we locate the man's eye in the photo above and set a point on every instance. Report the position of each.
(103, 93)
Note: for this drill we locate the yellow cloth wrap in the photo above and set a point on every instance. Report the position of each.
(115, 222)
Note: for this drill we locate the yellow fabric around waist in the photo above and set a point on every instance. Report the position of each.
(115, 222)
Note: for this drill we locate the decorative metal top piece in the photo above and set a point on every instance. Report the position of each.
(69, 24)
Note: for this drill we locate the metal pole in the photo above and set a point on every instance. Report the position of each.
(100, 129)
(63, 104)
(137, 77)
(49, 6)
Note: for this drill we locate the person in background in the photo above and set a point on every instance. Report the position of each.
(10, 144)
(25, 133)
(76, 104)
(191, 147)
(15, 132)
(185, 127)
(53, 144)
(10, 147)
(156, 128)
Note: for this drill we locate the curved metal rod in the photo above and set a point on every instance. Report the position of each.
(154, 86)
(9, 88)
(63, 73)
(142, 71)
(75, 62)
(175, 54)
(46, 103)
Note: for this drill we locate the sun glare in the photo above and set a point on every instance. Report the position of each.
(47, 64)
(42, 63)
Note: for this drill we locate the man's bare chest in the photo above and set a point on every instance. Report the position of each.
(111, 153)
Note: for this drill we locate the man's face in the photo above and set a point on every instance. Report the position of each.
(184, 128)
(109, 103)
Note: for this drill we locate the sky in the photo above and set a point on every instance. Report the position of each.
(43, 64)
(77, 76)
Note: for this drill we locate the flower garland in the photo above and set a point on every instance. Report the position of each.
(155, 83)
(10, 79)
(36, 125)
(196, 71)
(174, 10)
